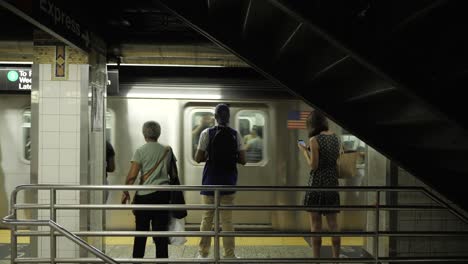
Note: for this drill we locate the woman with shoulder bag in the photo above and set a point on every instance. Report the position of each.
(321, 155)
(153, 160)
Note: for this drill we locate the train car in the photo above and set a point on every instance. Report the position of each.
(15, 124)
(179, 101)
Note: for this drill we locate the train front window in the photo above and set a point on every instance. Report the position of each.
(26, 137)
(201, 120)
(251, 124)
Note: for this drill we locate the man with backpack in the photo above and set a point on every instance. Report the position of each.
(222, 148)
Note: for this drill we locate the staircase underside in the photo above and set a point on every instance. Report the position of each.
(387, 71)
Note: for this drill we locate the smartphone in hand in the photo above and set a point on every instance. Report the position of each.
(301, 142)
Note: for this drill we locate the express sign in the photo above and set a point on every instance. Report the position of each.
(15, 79)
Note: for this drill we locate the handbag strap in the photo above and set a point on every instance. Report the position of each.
(341, 150)
(146, 175)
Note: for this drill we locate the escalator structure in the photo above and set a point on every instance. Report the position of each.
(390, 72)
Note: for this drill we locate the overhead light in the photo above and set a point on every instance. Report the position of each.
(170, 93)
(124, 64)
(164, 65)
(16, 62)
(128, 64)
(173, 96)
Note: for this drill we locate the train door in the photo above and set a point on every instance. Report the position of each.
(15, 150)
(253, 126)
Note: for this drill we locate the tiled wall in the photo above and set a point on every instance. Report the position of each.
(426, 221)
(59, 149)
(377, 172)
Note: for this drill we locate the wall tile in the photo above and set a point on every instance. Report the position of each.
(50, 106)
(49, 89)
(68, 123)
(78, 71)
(73, 72)
(45, 252)
(50, 123)
(78, 124)
(43, 194)
(69, 174)
(50, 157)
(68, 196)
(44, 214)
(64, 244)
(50, 140)
(68, 157)
(44, 247)
(69, 106)
(50, 174)
(59, 155)
(70, 223)
(68, 253)
(68, 140)
(68, 213)
(69, 89)
(46, 72)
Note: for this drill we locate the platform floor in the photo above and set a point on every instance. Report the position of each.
(274, 247)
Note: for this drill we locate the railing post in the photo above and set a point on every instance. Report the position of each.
(377, 226)
(14, 242)
(13, 245)
(216, 226)
(53, 240)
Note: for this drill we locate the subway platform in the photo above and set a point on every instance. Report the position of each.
(272, 247)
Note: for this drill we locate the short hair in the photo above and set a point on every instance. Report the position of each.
(222, 114)
(151, 130)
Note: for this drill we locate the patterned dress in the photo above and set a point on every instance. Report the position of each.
(326, 175)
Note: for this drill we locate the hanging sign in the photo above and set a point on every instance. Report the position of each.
(15, 79)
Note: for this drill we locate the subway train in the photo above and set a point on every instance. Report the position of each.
(180, 103)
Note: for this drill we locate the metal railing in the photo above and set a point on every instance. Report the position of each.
(57, 230)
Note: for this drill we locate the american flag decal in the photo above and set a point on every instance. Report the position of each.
(297, 119)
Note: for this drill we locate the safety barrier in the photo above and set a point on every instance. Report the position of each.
(57, 230)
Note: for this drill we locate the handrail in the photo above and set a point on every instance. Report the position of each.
(260, 260)
(449, 207)
(216, 187)
(81, 243)
(246, 260)
(57, 230)
(60, 229)
(251, 233)
(230, 207)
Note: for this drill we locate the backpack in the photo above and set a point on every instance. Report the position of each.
(222, 149)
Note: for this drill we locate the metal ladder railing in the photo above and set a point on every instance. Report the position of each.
(57, 230)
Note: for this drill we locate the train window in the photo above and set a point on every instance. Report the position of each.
(26, 135)
(354, 144)
(251, 124)
(201, 119)
(109, 126)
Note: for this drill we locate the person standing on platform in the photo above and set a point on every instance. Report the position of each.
(155, 163)
(221, 148)
(110, 165)
(321, 153)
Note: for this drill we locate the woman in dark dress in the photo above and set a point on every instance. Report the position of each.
(321, 153)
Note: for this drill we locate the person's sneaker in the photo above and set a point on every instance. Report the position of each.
(199, 256)
(231, 257)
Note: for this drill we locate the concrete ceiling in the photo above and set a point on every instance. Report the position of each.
(135, 32)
